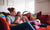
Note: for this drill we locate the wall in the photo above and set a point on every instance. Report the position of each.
(19, 5)
(4, 7)
(43, 6)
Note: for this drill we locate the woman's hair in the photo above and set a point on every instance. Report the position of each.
(10, 9)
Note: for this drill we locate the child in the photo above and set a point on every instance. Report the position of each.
(18, 18)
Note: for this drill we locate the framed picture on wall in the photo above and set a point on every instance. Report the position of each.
(1, 2)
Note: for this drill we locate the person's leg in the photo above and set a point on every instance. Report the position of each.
(43, 25)
(23, 26)
(27, 25)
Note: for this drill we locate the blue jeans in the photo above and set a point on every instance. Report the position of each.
(23, 26)
(43, 25)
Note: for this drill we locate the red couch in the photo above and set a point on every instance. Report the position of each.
(4, 25)
(43, 18)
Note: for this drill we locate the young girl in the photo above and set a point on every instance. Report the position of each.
(18, 18)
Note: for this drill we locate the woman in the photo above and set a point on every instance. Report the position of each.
(13, 25)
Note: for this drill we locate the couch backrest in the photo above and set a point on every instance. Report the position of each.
(4, 25)
(5, 13)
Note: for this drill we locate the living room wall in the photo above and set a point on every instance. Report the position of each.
(43, 6)
(19, 5)
(3, 8)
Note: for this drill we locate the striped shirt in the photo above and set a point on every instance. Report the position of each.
(10, 19)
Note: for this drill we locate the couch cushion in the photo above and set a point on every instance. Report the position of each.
(5, 13)
(43, 18)
(48, 21)
(4, 25)
(2, 16)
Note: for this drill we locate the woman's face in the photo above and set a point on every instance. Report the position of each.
(13, 13)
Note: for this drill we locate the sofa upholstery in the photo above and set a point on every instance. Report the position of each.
(48, 20)
(44, 28)
(43, 18)
(5, 13)
(4, 25)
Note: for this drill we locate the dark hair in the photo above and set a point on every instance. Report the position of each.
(11, 9)
(18, 12)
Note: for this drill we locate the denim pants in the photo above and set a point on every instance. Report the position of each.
(23, 26)
(43, 25)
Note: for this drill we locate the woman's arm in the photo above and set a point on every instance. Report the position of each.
(11, 25)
